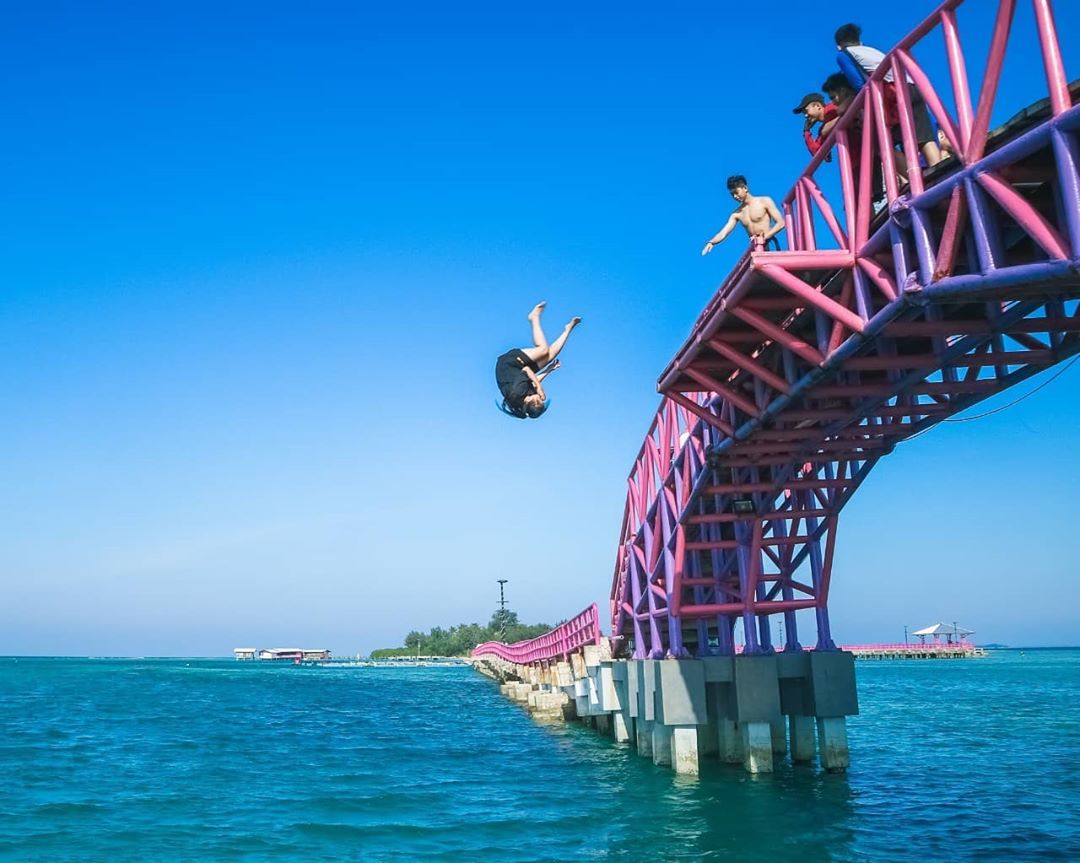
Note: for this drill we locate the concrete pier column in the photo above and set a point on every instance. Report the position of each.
(681, 708)
(603, 723)
(661, 744)
(833, 743)
(834, 697)
(708, 733)
(729, 741)
(624, 701)
(708, 739)
(757, 747)
(757, 705)
(684, 750)
(801, 729)
(778, 729)
(644, 738)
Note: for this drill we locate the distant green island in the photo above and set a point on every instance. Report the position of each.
(461, 639)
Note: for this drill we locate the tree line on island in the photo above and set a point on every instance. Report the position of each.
(461, 639)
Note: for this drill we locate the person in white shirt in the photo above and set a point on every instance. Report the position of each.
(866, 60)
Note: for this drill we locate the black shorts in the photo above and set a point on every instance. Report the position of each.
(924, 128)
(509, 374)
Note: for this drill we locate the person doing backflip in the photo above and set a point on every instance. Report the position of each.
(520, 372)
(757, 213)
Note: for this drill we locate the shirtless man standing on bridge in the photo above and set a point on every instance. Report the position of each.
(757, 213)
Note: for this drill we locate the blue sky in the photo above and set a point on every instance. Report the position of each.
(259, 261)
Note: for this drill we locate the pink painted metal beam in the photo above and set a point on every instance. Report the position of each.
(1026, 216)
(1060, 101)
(813, 297)
(975, 146)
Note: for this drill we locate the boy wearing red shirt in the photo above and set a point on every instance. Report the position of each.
(817, 113)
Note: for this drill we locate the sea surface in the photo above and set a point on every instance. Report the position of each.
(163, 760)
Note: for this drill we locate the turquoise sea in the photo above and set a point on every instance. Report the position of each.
(162, 760)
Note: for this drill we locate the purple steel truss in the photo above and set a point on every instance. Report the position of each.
(877, 322)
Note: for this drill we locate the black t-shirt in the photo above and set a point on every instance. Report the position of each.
(514, 384)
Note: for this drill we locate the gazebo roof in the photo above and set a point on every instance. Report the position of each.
(944, 629)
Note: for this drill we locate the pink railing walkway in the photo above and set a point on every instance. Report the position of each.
(557, 644)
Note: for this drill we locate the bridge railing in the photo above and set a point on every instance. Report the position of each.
(862, 142)
(558, 644)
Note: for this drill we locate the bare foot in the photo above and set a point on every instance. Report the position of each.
(573, 322)
(537, 309)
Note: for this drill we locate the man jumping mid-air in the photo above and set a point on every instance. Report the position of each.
(520, 372)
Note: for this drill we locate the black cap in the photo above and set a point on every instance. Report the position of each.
(806, 100)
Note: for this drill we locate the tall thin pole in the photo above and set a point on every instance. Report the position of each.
(502, 609)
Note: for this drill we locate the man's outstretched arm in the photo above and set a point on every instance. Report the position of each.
(721, 234)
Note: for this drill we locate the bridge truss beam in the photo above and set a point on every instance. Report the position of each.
(906, 295)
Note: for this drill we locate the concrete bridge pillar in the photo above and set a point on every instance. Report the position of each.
(757, 747)
(729, 740)
(756, 692)
(684, 750)
(661, 744)
(778, 730)
(719, 675)
(832, 737)
(802, 738)
(581, 698)
(644, 738)
(681, 707)
(622, 721)
(708, 737)
(832, 689)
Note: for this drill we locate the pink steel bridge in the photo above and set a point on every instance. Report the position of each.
(899, 301)
(564, 639)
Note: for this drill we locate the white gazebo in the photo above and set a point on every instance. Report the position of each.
(952, 633)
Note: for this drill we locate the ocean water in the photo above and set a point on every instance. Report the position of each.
(163, 760)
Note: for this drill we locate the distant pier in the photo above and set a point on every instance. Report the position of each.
(961, 650)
